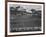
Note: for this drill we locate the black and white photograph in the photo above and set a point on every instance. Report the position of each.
(24, 18)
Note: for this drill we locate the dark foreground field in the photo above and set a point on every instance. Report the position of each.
(25, 23)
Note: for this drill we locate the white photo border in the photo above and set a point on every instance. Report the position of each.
(19, 33)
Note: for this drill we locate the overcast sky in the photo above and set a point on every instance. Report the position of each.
(29, 7)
